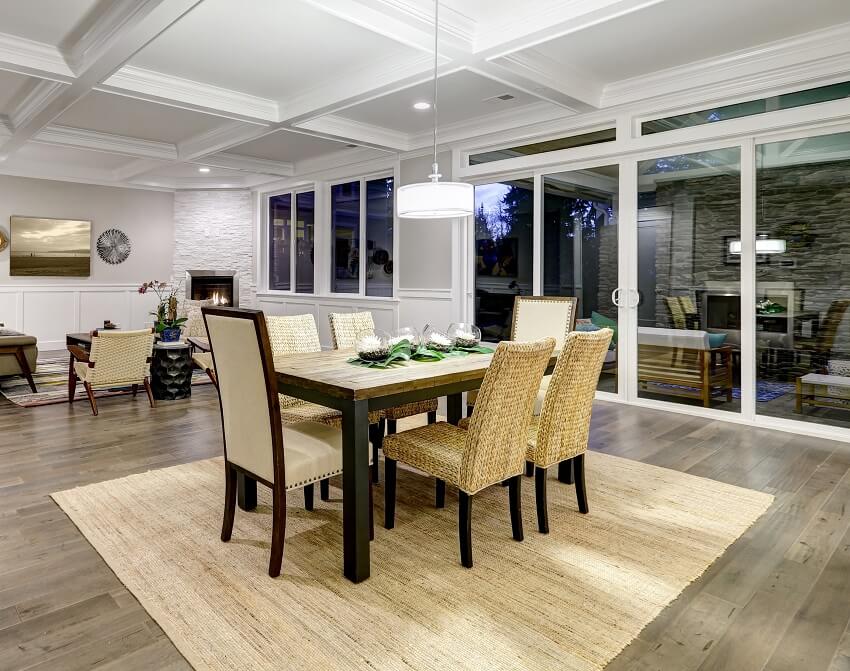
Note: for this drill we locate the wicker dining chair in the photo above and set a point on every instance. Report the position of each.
(116, 359)
(536, 317)
(560, 433)
(257, 442)
(493, 450)
(345, 328)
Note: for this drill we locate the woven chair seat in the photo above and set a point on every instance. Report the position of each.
(411, 409)
(436, 449)
(313, 412)
(203, 360)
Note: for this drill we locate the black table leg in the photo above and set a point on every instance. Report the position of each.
(246, 488)
(355, 490)
(454, 408)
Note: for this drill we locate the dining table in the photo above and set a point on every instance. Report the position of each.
(329, 379)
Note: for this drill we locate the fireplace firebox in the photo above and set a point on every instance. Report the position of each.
(219, 286)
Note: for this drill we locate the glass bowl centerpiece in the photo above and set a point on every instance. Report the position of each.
(408, 333)
(438, 341)
(372, 346)
(464, 336)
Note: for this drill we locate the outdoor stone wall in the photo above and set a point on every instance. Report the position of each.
(608, 270)
(214, 229)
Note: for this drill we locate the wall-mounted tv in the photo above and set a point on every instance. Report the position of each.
(49, 247)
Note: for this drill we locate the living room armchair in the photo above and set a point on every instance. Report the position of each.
(18, 355)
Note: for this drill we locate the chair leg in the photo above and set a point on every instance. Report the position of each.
(540, 495)
(515, 496)
(90, 394)
(325, 489)
(529, 469)
(229, 502)
(469, 410)
(391, 427)
(432, 417)
(581, 490)
(389, 492)
(25, 368)
(149, 391)
(565, 471)
(441, 493)
(135, 389)
(278, 532)
(464, 527)
(308, 496)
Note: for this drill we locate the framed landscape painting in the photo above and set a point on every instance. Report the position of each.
(49, 247)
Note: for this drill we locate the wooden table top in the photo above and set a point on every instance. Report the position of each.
(331, 374)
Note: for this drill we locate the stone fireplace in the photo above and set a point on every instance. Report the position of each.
(220, 286)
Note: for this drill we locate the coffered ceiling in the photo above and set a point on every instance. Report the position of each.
(147, 92)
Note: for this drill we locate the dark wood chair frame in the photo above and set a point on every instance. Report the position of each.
(80, 354)
(18, 352)
(232, 472)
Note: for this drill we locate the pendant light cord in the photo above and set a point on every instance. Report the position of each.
(435, 176)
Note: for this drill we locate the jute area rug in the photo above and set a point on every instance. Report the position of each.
(570, 600)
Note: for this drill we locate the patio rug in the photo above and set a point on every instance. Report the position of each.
(571, 599)
(51, 380)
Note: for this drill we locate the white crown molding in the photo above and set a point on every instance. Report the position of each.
(136, 168)
(220, 139)
(32, 99)
(801, 58)
(250, 164)
(106, 142)
(75, 174)
(334, 127)
(177, 91)
(33, 58)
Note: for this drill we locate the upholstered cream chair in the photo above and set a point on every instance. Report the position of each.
(297, 334)
(536, 317)
(345, 328)
(256, 441)
(560, 433)
(116, 359)
(491, 451)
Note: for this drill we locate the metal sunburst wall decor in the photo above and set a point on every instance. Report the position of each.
(113, 246)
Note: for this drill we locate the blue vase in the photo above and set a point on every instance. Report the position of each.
(170, 335)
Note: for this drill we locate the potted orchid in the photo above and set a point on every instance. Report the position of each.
(167, 324)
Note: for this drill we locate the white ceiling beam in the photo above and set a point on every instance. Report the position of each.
(138, 23)
(333, 127)
(33, 58)
(32, 98)
(136, 168)
(220, 139)
(250, 164)
(113, 144)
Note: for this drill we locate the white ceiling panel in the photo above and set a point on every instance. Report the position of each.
(191, 171)
(47, 21)
(287, 146)
(268, 48)
(120, 115)
(59, 158)
(462, 96)
(11, 84)
(668, 34)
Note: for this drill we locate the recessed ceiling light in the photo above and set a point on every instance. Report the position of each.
(203, 169)
(422, 105)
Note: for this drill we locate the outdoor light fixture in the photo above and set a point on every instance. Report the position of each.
(435, 199)
(764, 245)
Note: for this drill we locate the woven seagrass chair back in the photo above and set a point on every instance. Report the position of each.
(537, 317)
(194, 326)
(292, 334)
(120, 357)
(564, 424)
(831, 323)
(346, 326)
(677, 314)
(498, 430)
(247, 391)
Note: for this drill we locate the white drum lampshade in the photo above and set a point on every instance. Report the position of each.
(435, 200)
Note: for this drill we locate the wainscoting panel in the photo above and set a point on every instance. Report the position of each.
(421, 307)
(49, 312)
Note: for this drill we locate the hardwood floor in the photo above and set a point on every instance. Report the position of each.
(778, 600)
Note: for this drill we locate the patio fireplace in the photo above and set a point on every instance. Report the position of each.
(220, 286)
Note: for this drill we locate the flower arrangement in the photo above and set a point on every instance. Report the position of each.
(437, 341)
(372, 348)
(378, 351)
(167, 324)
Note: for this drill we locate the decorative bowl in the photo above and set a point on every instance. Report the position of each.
(407, 333)
(464, 335)
(372, 346)
(437, 340)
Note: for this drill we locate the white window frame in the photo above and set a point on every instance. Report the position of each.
(265, 265)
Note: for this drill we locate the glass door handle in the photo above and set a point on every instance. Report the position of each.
(615, 297)
(637, 298)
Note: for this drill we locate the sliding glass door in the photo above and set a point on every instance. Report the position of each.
(689, 280)
(580, 250)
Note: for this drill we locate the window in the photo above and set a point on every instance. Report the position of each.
(504, 216)
(376, 265)
(379, 237)
(749, 108)
(304, 239)
(280, 235)
(287, 242)
(584, 139)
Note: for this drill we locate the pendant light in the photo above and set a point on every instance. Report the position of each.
(435, 199)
